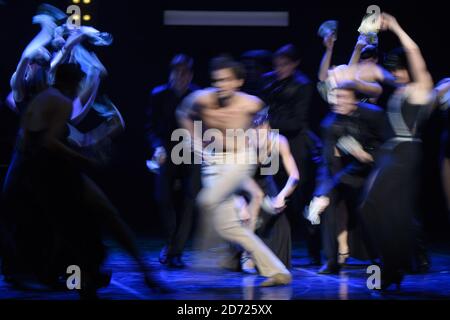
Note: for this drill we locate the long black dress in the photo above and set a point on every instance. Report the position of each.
(391, 202)
(48, 226)
(274, 230)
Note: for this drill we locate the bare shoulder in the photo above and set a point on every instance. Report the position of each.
(284, 143)
(253, 103)
(279, 139)
(52, 95)
(203, 97)
(55, 102)
(418, 95)
(249, 99)
(283, 140)
(369, 71)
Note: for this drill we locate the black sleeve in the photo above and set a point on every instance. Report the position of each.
(376, 121)
(325, 182)
(153, 121)
(296, 113)
(378, 126)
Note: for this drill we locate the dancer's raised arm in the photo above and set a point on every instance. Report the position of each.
(94, 70)
(422, 83)
(34, 51)
(64, 54)
(326, 60)
(356, 55)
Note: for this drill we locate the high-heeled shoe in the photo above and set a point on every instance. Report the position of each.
(330, 269)
(342, 258)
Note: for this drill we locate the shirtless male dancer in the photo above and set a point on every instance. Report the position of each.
(223, 108)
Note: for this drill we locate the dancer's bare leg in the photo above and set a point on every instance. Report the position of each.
(97, 203)
(342, 238)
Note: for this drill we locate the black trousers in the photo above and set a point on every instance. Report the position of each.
(306, 150)
(176, 188)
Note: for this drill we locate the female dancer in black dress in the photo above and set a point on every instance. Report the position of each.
(265, 211)
(274, 227)
(55, 213)
(390, 204)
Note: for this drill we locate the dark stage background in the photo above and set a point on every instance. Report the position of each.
(143, 47)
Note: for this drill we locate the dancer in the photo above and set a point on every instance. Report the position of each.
(267, 219)
(54, 211)
(225, 108)
(366, 75)
(288, 94)
(352, 134)
(160, 126)
(36, 71)
(396, 174)
(257, 63)
(361, 77)
(45, 178)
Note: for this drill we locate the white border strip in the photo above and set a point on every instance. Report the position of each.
(226, 18)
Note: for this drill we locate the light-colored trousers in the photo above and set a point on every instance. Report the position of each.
(222, 176)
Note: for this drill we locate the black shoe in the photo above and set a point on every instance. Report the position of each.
(315, 262)
(163, 256)
(103, 278)
(176, 262)
(330, 268)
(389, 279)
(422, 265)
(424, 268)
(343, 258)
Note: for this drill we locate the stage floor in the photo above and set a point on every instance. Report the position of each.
(212, 283)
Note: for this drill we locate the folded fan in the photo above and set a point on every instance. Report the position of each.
(371, 23)
(327, 28)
